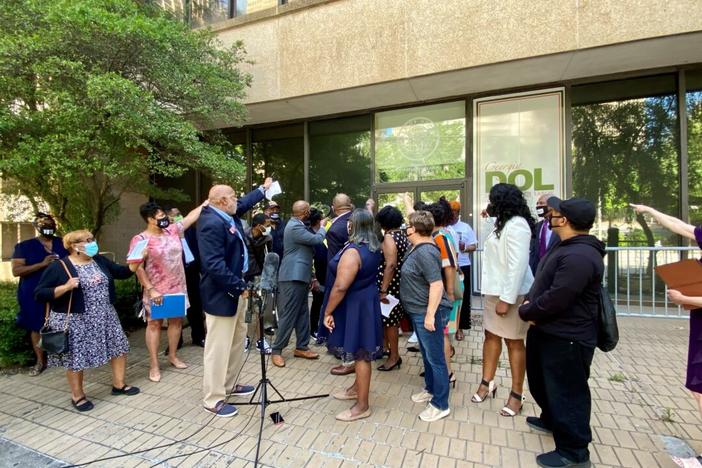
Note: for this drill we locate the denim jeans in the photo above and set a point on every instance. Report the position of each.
(432, 347)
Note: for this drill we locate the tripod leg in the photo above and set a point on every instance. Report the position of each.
(253, 396)
(276, 390)
(260, 430)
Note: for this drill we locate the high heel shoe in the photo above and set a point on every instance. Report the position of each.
(492, 389)
(452, 380)
(509, 412)
(397, 365)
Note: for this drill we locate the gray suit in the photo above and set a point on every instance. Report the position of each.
(293, 284)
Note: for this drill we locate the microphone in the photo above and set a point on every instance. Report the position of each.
(269, 273)
(268, 287)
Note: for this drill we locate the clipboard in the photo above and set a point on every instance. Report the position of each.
(172, 306)
(684, 276)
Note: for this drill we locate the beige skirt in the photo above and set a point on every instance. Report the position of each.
(508, 326)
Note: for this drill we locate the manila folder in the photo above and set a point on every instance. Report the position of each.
(684, 276)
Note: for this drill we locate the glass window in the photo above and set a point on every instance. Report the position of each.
(694, 143)
(340, 159)
(245, 7)
(279, 152)
(420, 143)
(205, 12)
(625, 151)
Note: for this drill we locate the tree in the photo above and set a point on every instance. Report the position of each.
(97, 97)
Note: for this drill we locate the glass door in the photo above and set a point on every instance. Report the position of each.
(405, 196)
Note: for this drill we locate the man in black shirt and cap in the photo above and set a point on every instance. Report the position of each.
(562, 307)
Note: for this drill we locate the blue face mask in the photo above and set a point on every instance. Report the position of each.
(91, 249)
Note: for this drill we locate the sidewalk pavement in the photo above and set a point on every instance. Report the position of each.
(638, 397)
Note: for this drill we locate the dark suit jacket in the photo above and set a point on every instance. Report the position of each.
(222, 257)
(338, 235)
(55, 275)
(534, 250)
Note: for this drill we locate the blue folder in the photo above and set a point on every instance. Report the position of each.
(172, 306)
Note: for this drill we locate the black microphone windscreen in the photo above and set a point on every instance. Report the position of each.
(269, 274)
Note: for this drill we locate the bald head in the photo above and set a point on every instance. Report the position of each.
(300, 209)
(224, 198)
(341, 203)
(543, 198)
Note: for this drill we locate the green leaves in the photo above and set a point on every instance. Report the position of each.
(98, 96)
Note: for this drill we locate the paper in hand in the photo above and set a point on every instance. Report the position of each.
(385, 309)
(137, 253)
(274, 190)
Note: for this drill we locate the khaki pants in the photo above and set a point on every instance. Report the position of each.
(224, 353)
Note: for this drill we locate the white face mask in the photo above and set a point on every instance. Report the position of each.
(267, 231)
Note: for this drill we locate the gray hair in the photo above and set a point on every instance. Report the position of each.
(363, 230)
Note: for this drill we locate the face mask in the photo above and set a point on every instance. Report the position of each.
(163, 223)
(490, 210)
(91, 249)
(541, 211)
(178, 219)
(267, 231)
(47, 232)
(550, 225)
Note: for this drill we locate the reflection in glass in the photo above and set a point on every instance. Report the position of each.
(245, 7)
(279, 151)
(340, 159)
(625, 151)
(396, 199)
(420, 143)
(694, 144)
(206, 12)
(433, 196)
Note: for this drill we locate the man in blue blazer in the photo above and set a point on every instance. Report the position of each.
(224, 258)
(293, 285)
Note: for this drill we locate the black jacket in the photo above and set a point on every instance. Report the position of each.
(563, 300)
(55, 275)
(534, 247)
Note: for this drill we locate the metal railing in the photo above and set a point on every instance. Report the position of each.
(630, 278)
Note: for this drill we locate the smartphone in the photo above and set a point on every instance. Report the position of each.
(277, 418)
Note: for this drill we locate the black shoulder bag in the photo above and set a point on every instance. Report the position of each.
(607, 330)
(56, 341)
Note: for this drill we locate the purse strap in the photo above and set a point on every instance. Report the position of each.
(70, 301)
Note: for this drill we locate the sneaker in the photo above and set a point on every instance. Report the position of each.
(431, 413)
(537, 424)
(247, 344)
(422, 397)
(413, 338)
(223, 410)
(242, 390)
(266, 346)
(556, 460)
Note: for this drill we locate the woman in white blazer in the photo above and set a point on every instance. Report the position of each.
(506, 278)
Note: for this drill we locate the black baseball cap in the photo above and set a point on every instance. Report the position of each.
(579, 211)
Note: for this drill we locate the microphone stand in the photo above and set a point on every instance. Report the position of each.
(264, 382)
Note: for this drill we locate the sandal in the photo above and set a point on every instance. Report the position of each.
(37, 369)
(509, 412)
(154, 375)
(87, 405)
(492, 389)
(459, 335)
(126, 390)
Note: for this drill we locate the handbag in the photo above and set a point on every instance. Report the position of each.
(607, 329)
(56, 341)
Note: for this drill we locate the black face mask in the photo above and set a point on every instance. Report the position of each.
(163, 223)
(551, 226)
(490, 210)
(541, 211)
(46, 231)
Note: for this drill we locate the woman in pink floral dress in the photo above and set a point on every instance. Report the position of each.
(161, 272)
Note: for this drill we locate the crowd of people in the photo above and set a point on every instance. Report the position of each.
(540, 280)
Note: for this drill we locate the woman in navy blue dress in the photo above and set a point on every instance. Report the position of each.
(352, 310)
(29, 260)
